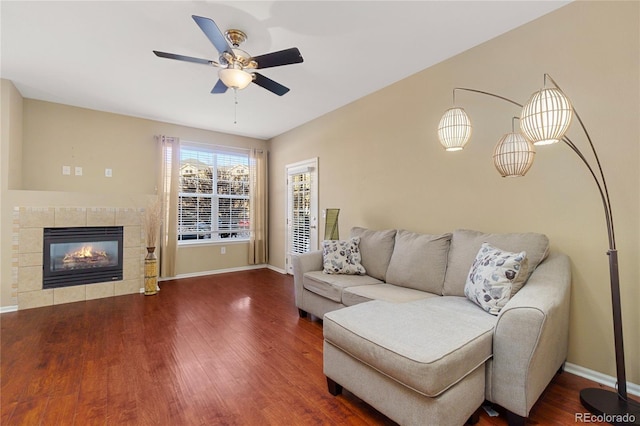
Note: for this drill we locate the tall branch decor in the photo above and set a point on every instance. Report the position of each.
(151, 220)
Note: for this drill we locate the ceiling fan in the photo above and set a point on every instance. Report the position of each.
(235, 64)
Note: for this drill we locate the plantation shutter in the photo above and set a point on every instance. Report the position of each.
(232, 188)
(214, 193)
(196, 184)
(299, 219)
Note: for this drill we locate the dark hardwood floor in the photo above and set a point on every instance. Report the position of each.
(226, 349)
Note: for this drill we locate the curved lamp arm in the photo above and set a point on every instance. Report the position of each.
(602, 183)
(482, 92)
(602, 186)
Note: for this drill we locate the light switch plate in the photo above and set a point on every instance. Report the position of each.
(66, 170)
(108, 172)
(78, 171)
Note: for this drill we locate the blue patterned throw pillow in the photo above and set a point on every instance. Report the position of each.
(342, 257)
(491, 279)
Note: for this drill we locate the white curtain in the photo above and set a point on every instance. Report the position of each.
(258, 250)
(169, 165)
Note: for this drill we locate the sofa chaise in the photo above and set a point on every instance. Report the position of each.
(419, 333)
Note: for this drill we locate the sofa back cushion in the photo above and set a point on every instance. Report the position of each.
(419, 261)
(375, 250)
(465, 245)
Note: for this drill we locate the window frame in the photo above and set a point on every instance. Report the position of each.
(212, 228)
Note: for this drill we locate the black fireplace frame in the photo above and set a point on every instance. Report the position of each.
(55, 279)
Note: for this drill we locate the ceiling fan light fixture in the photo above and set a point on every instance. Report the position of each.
(234, 61)
(235, 78)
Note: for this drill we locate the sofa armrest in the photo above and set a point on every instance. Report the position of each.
(531, 337)
(303, 263)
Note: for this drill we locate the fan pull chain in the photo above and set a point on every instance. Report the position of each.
(235, 106)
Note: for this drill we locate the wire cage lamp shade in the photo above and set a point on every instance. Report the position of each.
(513, 155)
(546, 116)
(454, 129)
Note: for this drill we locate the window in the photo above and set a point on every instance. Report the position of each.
(213, 194)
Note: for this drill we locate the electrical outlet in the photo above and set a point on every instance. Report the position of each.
(108, 172)
(223, 250)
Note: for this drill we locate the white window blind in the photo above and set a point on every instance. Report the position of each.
(213, 200)
(300, 212)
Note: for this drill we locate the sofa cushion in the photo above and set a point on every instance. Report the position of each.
(331, 286)
(465, 245)
(376, 248)
(427, 345)
(419, 261)
(387, 292)
(492, 275)
(342, 257)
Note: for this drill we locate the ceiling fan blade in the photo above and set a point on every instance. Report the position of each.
(220, 87)
(269, 84)
(276, 59)
(184, 58)
(213, 33)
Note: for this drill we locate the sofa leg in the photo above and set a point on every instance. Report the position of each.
(301, 313)
(334, 388)
(515, 420)
(475, 417)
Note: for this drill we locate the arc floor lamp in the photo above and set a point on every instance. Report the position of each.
(544, 120)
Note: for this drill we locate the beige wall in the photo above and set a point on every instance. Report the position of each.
(12, 105)
(56, 135)
(10, 177)
(194, 259)
(51, 135)
(382, 165)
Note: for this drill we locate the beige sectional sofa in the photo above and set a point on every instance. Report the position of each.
(406, 339)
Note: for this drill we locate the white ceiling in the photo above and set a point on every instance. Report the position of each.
(98, 55)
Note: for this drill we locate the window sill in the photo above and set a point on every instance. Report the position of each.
(201, 243)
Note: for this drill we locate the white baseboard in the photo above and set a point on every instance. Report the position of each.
(5, 309)
(214, 272)
(276, 269)
(604, 379)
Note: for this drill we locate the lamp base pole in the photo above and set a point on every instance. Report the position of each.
(602, 402)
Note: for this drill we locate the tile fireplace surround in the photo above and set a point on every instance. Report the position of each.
(28, 225)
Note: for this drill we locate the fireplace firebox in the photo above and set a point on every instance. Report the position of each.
(81, 255)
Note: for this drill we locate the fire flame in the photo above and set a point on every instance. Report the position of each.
(86, 252)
